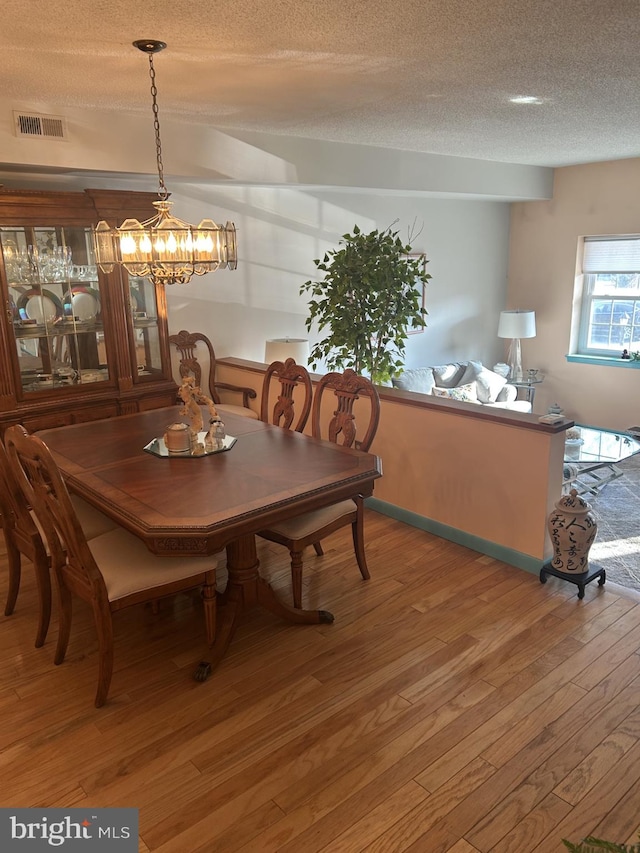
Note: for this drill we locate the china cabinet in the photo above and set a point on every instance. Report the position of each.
(76, 344)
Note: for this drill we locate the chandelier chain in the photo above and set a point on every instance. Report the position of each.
(163, 248)
(163, 194)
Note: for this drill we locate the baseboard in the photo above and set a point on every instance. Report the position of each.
(452, 534)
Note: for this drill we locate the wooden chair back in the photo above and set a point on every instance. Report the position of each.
(14, 510)
(23, 537)
(77, 572)
(342, 427)
(39, 478)
(291, 376)
(196, 357)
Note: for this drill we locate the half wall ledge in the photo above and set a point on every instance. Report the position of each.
(484, 477)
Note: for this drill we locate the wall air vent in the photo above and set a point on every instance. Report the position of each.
(37, 126)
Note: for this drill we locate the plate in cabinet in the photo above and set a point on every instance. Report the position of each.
(43, 306)
(82, 302)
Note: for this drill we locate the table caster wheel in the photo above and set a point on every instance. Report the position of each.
(203, 671)
(580, 592)
(602, 579)
(543, 576)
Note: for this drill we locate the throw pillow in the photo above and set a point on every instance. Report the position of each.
(448, 375)
(416, 379)
(489, 384)
(463, 393)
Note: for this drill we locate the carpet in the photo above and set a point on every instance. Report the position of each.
(617, 510)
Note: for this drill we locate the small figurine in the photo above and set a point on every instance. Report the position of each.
(197, 447)
(625, 354)
(217, 431)
(192, 396)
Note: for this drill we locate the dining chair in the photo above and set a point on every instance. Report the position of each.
(193, 355)
(24, 536)
(341, 428)
(290, 375)
(109, 572)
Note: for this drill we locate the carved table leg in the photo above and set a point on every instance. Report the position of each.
(270, 601)
(246, 589)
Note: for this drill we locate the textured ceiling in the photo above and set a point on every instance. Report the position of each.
(421, 75)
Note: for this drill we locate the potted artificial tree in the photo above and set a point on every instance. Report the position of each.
(369, 299)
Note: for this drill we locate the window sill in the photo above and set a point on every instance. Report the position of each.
(602, 361)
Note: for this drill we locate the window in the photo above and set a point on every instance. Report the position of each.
(610, 319)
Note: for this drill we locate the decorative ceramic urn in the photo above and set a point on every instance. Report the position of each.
(572, 529)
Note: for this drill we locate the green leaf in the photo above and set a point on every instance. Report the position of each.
(596, 845)
(371, 294)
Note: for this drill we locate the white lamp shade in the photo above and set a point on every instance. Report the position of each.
(517, 324)
(280, 349)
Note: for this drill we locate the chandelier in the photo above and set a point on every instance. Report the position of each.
(164, 249)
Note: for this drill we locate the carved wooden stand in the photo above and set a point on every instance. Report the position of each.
(581, 580)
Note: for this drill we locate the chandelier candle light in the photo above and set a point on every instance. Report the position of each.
(515, 325)
(163, 248)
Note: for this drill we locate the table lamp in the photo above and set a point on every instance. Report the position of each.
(280, 349)
(516, 325)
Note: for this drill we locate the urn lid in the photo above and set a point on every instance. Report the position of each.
(178, 427)
(573, 504)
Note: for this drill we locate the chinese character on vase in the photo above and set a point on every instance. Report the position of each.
(572, 529)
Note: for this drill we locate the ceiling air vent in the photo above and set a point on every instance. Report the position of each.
(38, 126)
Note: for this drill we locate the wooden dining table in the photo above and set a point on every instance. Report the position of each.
(200, 505)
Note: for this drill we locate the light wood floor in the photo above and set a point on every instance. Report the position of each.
(456, 704)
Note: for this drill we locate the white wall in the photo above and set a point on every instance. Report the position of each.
(280, 232)
(262, 184)
(120, 142)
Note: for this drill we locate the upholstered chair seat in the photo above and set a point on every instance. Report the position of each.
(118, 551)
(93, 522)
(307, 525)
(229, 408)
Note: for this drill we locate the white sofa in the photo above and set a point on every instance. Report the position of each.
(466, 381)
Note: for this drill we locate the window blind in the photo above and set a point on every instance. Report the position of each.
(611, 254)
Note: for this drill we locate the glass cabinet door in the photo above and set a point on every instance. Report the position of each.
(55, 304)
(144, 320)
